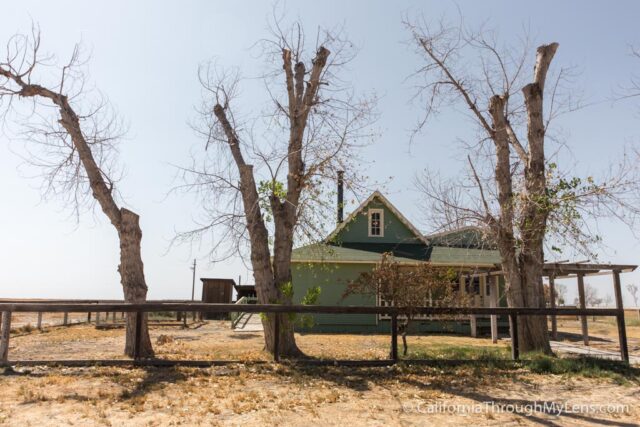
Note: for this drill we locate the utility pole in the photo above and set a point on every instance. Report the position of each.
(193, 291)
(193, 281)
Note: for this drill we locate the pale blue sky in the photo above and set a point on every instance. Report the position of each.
(145, 56)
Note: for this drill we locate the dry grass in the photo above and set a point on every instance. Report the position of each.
(270, 394)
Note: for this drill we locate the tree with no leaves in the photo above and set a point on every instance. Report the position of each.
(77, 143)
(264, 195)
(632, 288)
(512, 189)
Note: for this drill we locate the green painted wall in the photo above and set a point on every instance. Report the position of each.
(333, 280)
(357, 230)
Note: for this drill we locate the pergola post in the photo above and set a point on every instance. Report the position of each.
(493, 303)
(622, 332)
(552, 297)
(583, 305)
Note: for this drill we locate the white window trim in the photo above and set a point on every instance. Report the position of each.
(370, 213)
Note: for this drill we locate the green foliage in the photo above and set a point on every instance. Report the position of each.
(312, 295)
(563, 202)
(267, 190)
(582, 366)
(310, 298)
(287, 290)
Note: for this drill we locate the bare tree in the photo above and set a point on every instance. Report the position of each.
(560, 291)
(264, 195)
(408, 288)
(73, 142)
(632, 288)
(512, 190)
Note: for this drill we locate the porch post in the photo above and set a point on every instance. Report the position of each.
(493, 303)
(583, 305)
(473, 322)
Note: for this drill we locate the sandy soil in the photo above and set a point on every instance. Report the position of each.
(268, 394)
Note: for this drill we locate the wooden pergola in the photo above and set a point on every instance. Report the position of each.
(565, 270)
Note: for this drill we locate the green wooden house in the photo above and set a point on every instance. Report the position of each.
(357, 245)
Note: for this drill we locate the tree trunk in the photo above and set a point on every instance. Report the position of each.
(131, 271)
(124, 221)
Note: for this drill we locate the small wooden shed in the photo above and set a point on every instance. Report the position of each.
(217, 290)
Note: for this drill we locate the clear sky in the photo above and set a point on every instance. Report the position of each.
(145, 57)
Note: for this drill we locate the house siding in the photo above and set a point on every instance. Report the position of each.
(357, 230)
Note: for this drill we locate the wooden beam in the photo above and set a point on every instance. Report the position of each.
(4, 337)
(493, 303)
(552, 303)
(622, 331)
(583, 305)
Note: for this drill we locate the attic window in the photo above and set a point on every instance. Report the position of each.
(376, 223)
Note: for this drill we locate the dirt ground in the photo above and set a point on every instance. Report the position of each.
(259, 393)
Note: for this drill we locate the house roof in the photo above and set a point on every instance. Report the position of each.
(321, 253)
(463, 237)
(377, 195)
(438, 255)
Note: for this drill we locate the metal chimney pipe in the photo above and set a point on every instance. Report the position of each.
(340, 196)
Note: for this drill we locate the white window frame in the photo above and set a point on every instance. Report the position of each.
(381, 212)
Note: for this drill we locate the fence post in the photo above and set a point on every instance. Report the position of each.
(473, 325)
(4, 337)
(394, 337)
(583, 305)
(39, 320)
(622, 331)
(276, 338)
(97, 318)
(65, 319)
(552, 303)
(515, 349)
(138, 337)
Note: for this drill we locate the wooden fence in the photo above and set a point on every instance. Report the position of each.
(8, 306)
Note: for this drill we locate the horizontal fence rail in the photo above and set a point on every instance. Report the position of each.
(31, 307)
(87, 306)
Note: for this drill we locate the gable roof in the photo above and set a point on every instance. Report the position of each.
(471, 236)
(377, 195)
